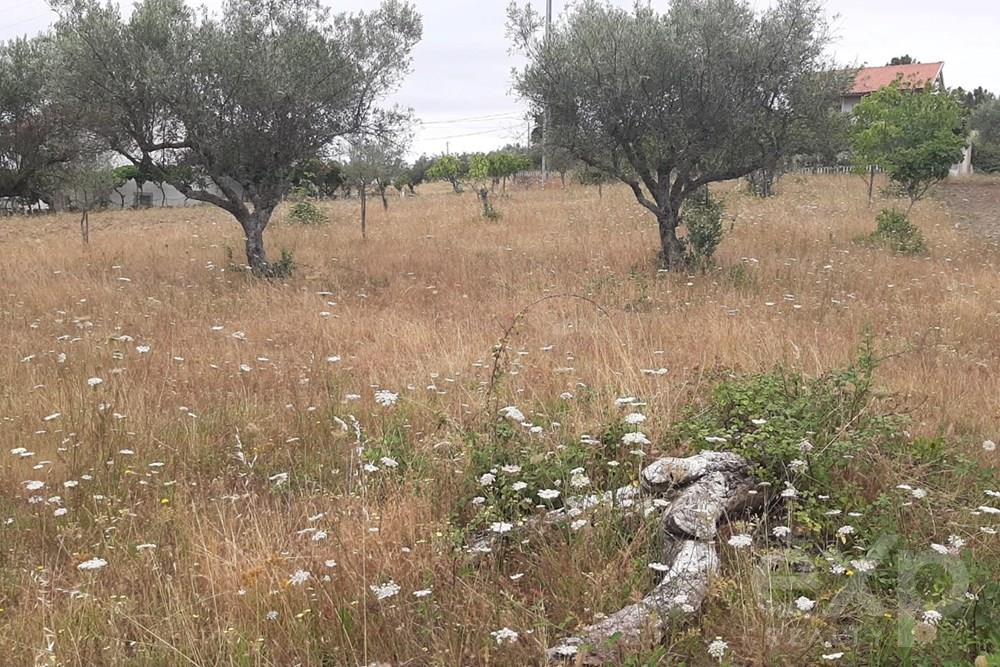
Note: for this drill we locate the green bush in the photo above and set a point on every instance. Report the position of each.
(284, 267)
(304, 212)
(894, 230)
(986, 157)
(703, 220)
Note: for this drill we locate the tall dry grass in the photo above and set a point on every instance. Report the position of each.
(416, 309)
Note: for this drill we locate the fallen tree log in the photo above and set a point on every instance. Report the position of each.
(702, 491)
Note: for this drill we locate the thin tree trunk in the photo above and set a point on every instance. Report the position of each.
(364, 212)
(484, 197)
(385, 202)
(163, 195)
(600, 190)
(871, 184)
(85, 226)
(671, 249)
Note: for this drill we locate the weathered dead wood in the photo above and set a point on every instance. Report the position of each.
(702, 491)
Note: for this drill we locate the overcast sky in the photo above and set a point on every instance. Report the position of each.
(460, 85)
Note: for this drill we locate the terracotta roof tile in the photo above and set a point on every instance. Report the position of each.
(870, 79)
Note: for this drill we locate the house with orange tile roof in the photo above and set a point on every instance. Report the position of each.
(915, 76)
(868, 80)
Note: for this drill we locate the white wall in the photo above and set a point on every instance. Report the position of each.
(130, 190)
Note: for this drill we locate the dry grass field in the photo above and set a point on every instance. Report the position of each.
(217, 470)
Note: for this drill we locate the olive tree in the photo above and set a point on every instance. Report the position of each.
(36, 133)
(985, 125)
(706, 91)
(87, 183)
(374, 161)
(225, 107)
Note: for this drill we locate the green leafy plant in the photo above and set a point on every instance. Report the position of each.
(703, 220)
(915, 136)
(285, 266)
(304, 212)
(895, 231)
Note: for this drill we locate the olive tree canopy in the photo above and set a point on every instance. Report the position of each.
(36, 135)
(227, 107)
(708, 90)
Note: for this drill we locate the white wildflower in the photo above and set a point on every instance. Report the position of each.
(386, 398)
(92, 564)
(781, 532)
(386, 590)
(863, 565)
(487, 479)
(989, 446)
(804, 604)
(504, 635)
(635, 418)
(501, 527)
(636, 438)
(299, 577)
(93, 382)
(932, 617)
(717, 649)
(513, 414)
(740, 541)
(548, 494)
(798, 465)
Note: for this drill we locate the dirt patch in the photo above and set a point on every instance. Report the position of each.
(975, 203)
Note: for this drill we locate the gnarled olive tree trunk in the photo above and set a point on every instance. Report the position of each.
(253, 224)
(672, 255)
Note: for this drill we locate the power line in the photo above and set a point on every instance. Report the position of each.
(475, 134)
(473, 119)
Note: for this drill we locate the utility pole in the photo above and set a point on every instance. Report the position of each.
(545, 115)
